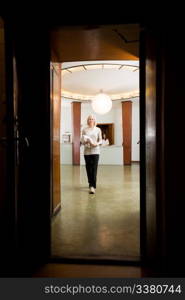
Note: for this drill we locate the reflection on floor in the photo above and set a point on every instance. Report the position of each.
(103, 225)
(89, 271)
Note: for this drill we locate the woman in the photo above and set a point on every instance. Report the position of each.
(91, 139)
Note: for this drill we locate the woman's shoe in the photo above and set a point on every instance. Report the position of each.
(91, 190)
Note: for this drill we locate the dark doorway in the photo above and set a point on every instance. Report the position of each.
(108, 131)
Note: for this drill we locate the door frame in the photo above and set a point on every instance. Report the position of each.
(142, 172)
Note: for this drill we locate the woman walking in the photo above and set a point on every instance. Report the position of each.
(91, 139)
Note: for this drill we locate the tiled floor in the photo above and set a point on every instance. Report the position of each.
(103, 225)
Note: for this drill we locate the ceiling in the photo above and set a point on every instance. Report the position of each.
(119, 79)
(100, 42)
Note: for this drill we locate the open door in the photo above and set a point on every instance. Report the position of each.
(148, 146)
(7, 155)
(152, 148)
(25, 148)
(55, 87)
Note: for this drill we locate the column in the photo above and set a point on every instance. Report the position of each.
(76, 124)
(127, 131)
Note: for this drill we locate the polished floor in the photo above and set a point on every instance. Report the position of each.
(90, 271)
(104, 225)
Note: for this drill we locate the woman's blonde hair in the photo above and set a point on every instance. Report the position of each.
(92, 117)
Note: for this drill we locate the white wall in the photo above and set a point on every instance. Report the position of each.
(114, 154)
(66, 122)
(111, 155)
(118, 123)
(86, 110)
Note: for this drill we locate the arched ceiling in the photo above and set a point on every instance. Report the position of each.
(118, 79)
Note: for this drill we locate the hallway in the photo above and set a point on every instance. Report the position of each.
(105, 225)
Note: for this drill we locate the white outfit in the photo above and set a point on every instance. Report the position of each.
(92, 135)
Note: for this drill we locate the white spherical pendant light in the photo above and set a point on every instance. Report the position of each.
(102, 104)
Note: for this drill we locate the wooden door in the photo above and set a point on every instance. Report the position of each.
(148, 145)
(151, 148)
(55, 86)
(7, 156)
(25, 133)
(11, 146)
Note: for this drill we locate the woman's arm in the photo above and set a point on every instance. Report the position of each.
(82, 140)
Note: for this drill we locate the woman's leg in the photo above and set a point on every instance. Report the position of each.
(91, 163)
(88, 167)
(95, 159)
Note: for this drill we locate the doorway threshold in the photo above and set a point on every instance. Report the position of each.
(107, 260)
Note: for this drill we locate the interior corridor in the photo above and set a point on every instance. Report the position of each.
(104, 225)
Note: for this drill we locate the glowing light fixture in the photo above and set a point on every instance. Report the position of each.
(101, 103)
